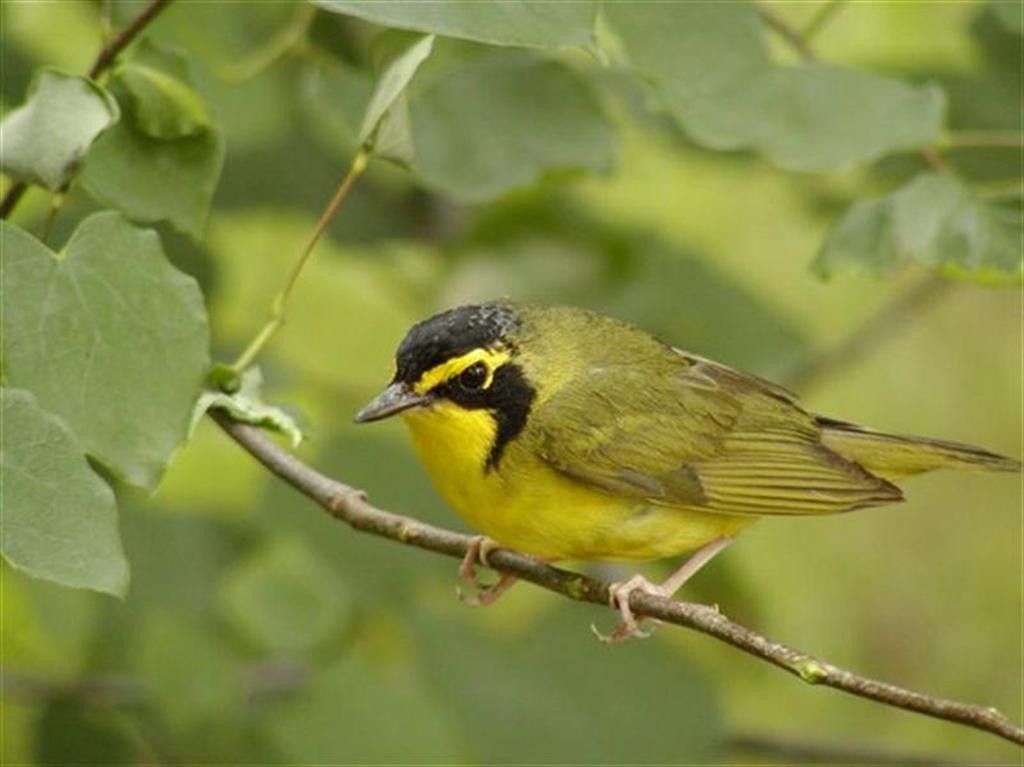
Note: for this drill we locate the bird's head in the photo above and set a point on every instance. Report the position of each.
(457, 364)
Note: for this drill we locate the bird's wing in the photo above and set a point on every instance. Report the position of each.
(700, 436)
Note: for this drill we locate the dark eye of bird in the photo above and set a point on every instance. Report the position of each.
(473, 377)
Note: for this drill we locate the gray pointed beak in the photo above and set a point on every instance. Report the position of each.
(394, 399)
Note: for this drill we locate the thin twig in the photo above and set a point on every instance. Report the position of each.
(825, 13)
(107, 55)
(280, 303)
(876, 328)
(12, 198)
(120, 41)
(350, 505)
(791, 35)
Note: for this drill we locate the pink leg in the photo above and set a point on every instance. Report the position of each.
(479, 549)
(619, 592)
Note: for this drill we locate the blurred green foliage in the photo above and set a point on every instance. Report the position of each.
(548, 162)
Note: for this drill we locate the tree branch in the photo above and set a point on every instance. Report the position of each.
(107, 55)
(350, 505)
(876, 328)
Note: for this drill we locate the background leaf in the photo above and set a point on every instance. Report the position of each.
(45, 138)
(499, 22)
(59, 521)
(109, 336)
(709, 65)
(400, 57)
(162, 162)
(934, 221)
(517, 117)
(162, 102)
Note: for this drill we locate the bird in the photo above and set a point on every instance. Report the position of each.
(564, 434)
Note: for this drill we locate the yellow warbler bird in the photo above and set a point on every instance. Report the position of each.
(568, 435)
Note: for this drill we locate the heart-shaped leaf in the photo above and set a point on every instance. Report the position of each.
(162, 162)
(59, 520)
(44, 139)
(108, 335)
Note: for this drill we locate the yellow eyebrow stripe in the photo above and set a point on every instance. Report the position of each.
(493, 358)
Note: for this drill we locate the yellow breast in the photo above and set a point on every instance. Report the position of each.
(526, 505)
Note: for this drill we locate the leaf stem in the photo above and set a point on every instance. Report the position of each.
(280, 303)
(790, 34)
(120, 41)
(825, 13)
(56, 203)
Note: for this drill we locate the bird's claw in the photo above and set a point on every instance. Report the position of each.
(618, 597)
(482, 594)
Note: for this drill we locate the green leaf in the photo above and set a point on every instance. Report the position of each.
(538, 24)
(45, 138)
(59, 519)
(164, 105)
(109, 336)
(516, 117)
(818, 117)
(334, 95)
(934, 221)
(690, 50)
(285, 600)
(1010, 14)
(399, 56)
(153, 180)
(247, 405)
(708, 64)
(158, 164)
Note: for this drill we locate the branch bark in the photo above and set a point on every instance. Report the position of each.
(107, 55)
(350, 505)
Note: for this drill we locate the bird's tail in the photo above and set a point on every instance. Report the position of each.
(893, 456)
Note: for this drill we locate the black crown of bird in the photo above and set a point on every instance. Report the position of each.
(568, 435)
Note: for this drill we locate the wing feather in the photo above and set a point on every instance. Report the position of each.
(702, 436)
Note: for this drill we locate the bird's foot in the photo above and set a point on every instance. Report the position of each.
(618, 597)
(482, 594)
